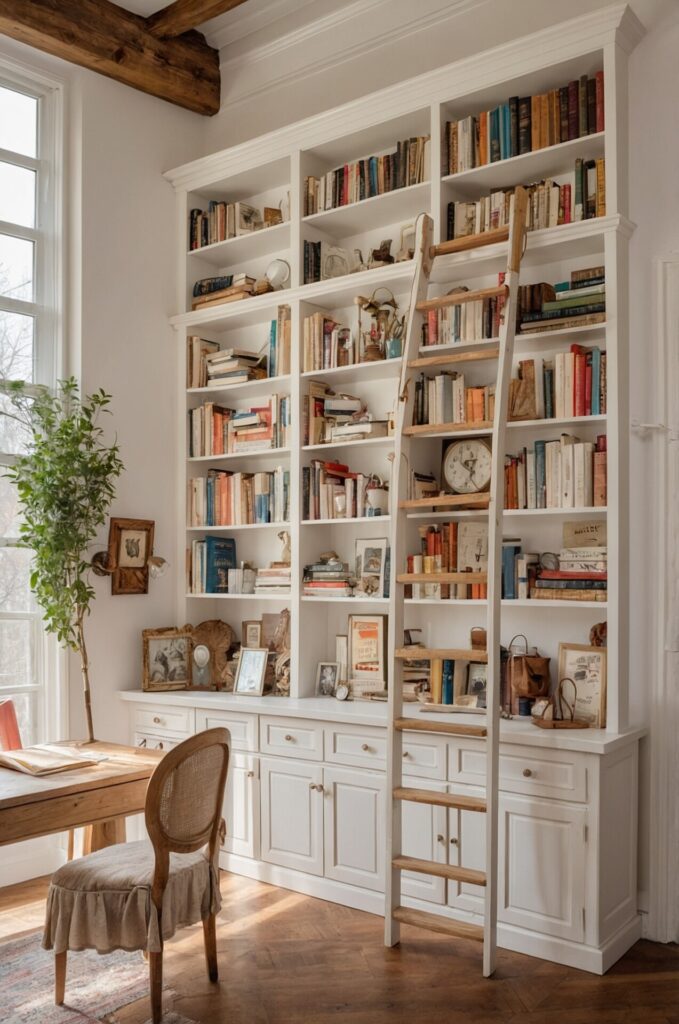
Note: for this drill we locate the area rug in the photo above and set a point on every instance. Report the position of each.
(96, 985)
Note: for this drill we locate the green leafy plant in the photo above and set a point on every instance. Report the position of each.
(65, 482)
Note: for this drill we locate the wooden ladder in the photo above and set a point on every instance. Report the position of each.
(485, 727)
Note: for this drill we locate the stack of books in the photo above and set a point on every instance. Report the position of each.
(330, 490)
(231, 366)
(576, 303)
(582, 576)
(337, 417)
(409, 164)
(326, 578)
(211, 291)
(469, 321)
(274, 580)
(567, 473)
(550, 203)
(208, 365)
(524, 124)
(449, 547)
(238, 499)
(326, 343)
(208, 564)
(445, 399)
(415, 676)
(216, 430)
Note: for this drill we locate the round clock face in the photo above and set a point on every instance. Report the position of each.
(466, 466)
(342, 691)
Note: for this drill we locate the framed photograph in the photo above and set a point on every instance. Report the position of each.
(251, 633)
(586, 666)
(327, 678)
(130, 545)
(342, 656)
(368, 649)
(371, 560)
(248, 218)
(251, 671)
(166, 659)
(475, 690)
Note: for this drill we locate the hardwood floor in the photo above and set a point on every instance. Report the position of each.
(285, 958)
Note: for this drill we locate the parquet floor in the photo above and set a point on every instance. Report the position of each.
(290, 959)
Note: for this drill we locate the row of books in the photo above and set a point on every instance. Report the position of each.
(550, 204)
(445, 399)
(573, 383)
(409, 164)
(212, 569)
(326, 343)
(581, 301)
(238, 499)
(224, 220)
(330, 490)
(468, 321)
(525, 124)
(215, 291)
(215, 430)
(582, 574)
(567, 473)
(449, 547)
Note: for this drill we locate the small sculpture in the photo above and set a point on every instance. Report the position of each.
(286, 554)
(381, 257)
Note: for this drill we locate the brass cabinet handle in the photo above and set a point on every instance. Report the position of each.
(527, 773)
(316, 785)
(251, 775)
(453, 841)
(440, 838)
(364, 746)
(156, 720)
(405, 754)
(288, 738)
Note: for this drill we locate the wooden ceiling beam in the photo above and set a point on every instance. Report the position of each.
(183, 15)
(103, 37)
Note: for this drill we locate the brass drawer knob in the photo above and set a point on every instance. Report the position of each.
(251, 775)
(405, 754)
(364, 746)
(453, 841)
(527, 773)
(288, 738)
(156, 720)
(440, 838)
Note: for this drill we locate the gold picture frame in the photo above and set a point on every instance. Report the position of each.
(586, 666)
(130, 545)
(166, 662)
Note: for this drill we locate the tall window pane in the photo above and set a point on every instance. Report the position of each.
(18, 122)
(17, 195)
(16, 268)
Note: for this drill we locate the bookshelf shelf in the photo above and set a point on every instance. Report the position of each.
(516, 603)
(524, 169)
(570, 421)
(280, 597)
(401, 205)
(243, 526)
(346, 522)
(377, 602)
(244, 247)
(251, 389)
(266, 453)
(369, 442)
(341, 291)
(514, 513)
(382, 369)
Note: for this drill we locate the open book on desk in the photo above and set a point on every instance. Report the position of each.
(47, 759)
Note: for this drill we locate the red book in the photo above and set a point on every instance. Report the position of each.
(560, 574)
(580, 368)
(567, 212)
(345, 190)
(588, 386)
(601, 443)
(433, 327)
(599, 80)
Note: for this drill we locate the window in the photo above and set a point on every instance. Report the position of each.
(29, 304)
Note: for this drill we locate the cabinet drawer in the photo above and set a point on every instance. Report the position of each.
(159, 719)
(243, 728)
(425, 757)
(150, 742)
(292, 737)
(365, 748)
(561, 775)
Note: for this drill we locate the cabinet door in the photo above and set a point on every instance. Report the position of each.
(292, 814)
(425, 835)
(542, 866)
(466, 848)
(354, 827)
(241, 806)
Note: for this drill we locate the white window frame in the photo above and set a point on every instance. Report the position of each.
(46, 308)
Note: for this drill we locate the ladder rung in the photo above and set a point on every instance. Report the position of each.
(469, 242)
(442, 577)
(480, 500)
(443, 301)
(438, 923)
(417, 725)
(429, 796)
(449, 653)
(433, 429)
(432, 867)
(454, 357)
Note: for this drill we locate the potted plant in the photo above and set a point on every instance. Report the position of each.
(65, 482)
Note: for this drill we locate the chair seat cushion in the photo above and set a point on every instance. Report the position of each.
(103, 901)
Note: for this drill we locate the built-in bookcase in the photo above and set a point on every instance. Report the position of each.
(272, 170)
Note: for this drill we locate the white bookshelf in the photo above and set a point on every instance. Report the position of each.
(261, 172)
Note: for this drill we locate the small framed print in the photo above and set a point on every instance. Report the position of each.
(167, 659)
(475, 690)
(586, 666)
(371, 560)
(368, 649)
(130, 545)
(327, 678)
(251, 671)
(251, 633)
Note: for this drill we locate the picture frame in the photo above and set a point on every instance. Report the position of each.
(370, 567)
(342, 656)
(130, 545)
(476, 684)
(368, 649)
(586, 666)
(252, 665)
(327, 678)
(167, 659)
(251, 633)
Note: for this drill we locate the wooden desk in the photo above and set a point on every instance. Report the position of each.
(99, 796)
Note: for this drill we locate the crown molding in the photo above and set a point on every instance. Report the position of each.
(246, 19)
(556, 43)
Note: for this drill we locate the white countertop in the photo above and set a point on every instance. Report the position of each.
(374, 713)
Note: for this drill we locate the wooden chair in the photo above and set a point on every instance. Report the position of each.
(143, 891)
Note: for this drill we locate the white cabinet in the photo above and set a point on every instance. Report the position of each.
(467, 849)
(241, 806)
(354, 827)
(292, 814)
(424, 835)
(542, 857)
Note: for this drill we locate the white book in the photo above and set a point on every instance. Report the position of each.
(559, 385)
(579, 475)
(538, 370)
(589, 474)
(531, 488)
(417, 587)
(521, 481)
(569, 385)
(567, 471)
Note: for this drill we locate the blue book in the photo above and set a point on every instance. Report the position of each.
(447, 682)
(549, 392)
(209, 501)
(220, 556)
(540, 475)
(596, 381)
(373, 175)
(509, 553)
(507, 131)
(271, 361)
(494, 134)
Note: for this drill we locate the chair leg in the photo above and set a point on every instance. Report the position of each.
(71, 844)
(156, 977)
(59, 977)
(210, 936)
